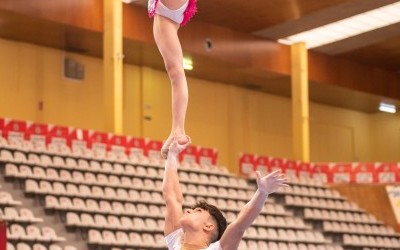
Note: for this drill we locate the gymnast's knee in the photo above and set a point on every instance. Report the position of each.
(175, 71)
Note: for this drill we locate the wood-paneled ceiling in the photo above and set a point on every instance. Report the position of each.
(274, 19)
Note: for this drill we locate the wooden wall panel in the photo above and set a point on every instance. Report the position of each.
(137, 25)
(80, 13)
(341, 72)
(372, 198)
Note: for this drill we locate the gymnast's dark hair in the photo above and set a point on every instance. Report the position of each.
(217, 216)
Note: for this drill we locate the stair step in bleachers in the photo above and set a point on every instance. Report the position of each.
(24, 229)
(354, 228)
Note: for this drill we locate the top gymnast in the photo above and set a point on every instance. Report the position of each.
(169, 15)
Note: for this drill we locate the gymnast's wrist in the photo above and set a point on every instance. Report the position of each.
(263, 192)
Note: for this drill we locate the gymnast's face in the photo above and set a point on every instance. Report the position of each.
(195, 219)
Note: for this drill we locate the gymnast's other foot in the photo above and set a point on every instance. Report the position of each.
(165, 147)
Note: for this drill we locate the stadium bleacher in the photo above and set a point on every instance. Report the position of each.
(114, 201)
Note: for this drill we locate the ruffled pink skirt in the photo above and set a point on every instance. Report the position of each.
(187, 15)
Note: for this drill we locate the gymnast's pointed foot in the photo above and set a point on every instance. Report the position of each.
(181, 139)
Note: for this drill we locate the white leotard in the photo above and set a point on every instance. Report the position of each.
(162, 10)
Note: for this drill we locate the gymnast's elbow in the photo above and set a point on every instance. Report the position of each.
(170, 196)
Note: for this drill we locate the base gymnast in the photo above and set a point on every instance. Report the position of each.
(204, 226)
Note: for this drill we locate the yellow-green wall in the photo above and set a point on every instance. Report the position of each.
(31, 74)
(339, 135)
(221, 116)
(386, 137)
(19, 77)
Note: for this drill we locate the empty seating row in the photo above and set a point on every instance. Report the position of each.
(32, 233)
(311, 192)
(83, 152)
(370, 241)
(6, 199)
(64, 150)
(113, 222)
(96, 192)
(155, 211)
(99, 164)
(104, 207)
(277, 220)
(147, 241)
(40, 171)
(306, 202)
(138, 223)
(271, 245)
(340, 216)
(280, 222)
(117, 178)
(17, 145)
(270, 209)
(119, 194)
(120, 238)
(223, 181)
(36, 246)
(106, 193)
(343, 227)
(205, 168)
(369, 248)
(227, 204)
(305, 181)
(265, 245)
(77, 177)
(288, 235)
(220, 192)
(24, 215)
(66, 181)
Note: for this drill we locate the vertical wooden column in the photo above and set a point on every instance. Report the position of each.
(113, 66)
(300, 102)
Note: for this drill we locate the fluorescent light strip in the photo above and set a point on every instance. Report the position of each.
(389, 108)
(352, 26)
(187, 64)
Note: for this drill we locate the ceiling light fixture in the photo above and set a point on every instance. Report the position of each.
(348, 27)
(187, 64)
(389, 108)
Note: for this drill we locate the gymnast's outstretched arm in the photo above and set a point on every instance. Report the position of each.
(266, 185)
(171, 189)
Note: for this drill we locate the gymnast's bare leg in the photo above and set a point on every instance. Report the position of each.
(166, 36)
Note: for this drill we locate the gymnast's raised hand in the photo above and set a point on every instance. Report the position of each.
(272, 182)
